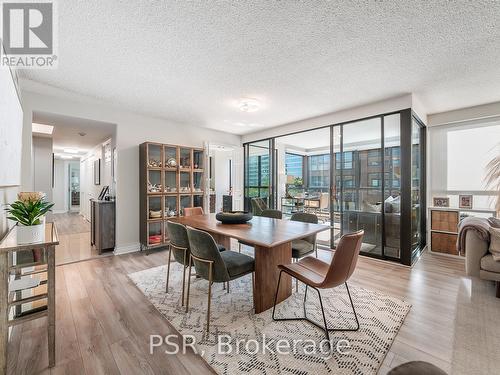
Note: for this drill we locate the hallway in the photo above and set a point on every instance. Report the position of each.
(74, 236)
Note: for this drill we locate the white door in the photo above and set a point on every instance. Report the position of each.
(237, 174)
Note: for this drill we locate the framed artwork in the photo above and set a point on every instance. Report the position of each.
(97, 172)
(441, 202)
(113, 164)
(465, 201)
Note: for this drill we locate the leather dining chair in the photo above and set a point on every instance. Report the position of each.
(321, 275)
(179, 247)
(268, 212)
(215, 266)
(191, 211)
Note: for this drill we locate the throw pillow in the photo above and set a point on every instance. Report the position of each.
(495, 243)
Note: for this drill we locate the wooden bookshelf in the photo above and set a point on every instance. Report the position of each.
(171, 178)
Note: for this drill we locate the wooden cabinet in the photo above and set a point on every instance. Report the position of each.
(444, 230)
(171, 178)
(102, 225)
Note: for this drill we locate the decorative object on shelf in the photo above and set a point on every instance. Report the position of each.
(197, 190)
(153, 163)
(234, 217)
(465, 201)
(29, 213)
(154, 214)
(171, 163)
(169, 189)
(155, 239)
(170, 213)
(185, 189)
(196, 166)
(154, 188)
(441, 202)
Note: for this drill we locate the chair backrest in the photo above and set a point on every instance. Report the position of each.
(258, 205)
(203, 246)
(344, 260)
(191, 211)
(273, 214)
(305, 217)
(179, 240)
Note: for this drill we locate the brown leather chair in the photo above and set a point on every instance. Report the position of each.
(321, 275)
(191, 211)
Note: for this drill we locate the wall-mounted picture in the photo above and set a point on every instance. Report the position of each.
(441, 202)
(465, 201)
(97, 172)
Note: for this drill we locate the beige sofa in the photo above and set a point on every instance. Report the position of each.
(479, 261)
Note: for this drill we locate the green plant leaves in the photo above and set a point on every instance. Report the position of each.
(28, 213)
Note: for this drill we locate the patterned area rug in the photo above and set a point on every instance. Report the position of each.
(232, 319)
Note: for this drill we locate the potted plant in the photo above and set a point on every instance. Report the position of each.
(29, 212)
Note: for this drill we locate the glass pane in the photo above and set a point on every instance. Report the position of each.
(185, 158)
(170, 182)
(361, 182)
(198, 159)
(155, 233)
(185, 182)
(197, 200)
(154, 156)
(198, 182)
(170, 206)
(185, 201)
(415, 185)
(392, 185)
(170, 157)
(258, 175)
(154, 182)
(154, 208)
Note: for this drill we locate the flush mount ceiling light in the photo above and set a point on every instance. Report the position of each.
(248, 105)
(71, 151)
(42, 128)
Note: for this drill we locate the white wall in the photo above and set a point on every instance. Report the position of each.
(132, 130)
(465, 114)
(42, 166)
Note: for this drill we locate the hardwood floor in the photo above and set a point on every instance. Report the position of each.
(74, 237)
(104, 321)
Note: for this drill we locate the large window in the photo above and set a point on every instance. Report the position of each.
(319, 172)
(294, 165)
(460, 154)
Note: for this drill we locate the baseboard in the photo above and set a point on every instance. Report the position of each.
(129, 248)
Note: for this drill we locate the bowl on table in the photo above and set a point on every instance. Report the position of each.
(234, 217)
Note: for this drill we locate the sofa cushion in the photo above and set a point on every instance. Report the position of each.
(489, 264)
(495, 243)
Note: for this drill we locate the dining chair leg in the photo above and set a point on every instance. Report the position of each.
(239, 247)
(352, 305)
(189, 284)
(183, 279)
(316, 249)
(168, 267)
(276, 294)
(209, 295)
(323, 313)
(228, 286)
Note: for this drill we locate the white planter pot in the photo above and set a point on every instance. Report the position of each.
(30, 234)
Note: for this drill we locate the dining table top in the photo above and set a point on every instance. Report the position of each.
(260, 231)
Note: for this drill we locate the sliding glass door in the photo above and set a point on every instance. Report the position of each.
(362, 175)
(258, 174)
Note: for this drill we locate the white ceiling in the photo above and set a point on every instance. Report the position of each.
(66, 129)
(188, 61)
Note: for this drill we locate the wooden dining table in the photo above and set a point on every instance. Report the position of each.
(272, 241)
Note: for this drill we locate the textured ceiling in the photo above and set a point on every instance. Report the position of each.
(188, 61)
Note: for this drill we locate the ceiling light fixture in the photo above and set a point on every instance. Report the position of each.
(42, 128)
(248, 105)
(66, 157)
(71, 150)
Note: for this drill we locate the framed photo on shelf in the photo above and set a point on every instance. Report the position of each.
(441, 202)
(465, 201)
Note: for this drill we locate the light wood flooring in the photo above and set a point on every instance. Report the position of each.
(104, 322)
(74, 237)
